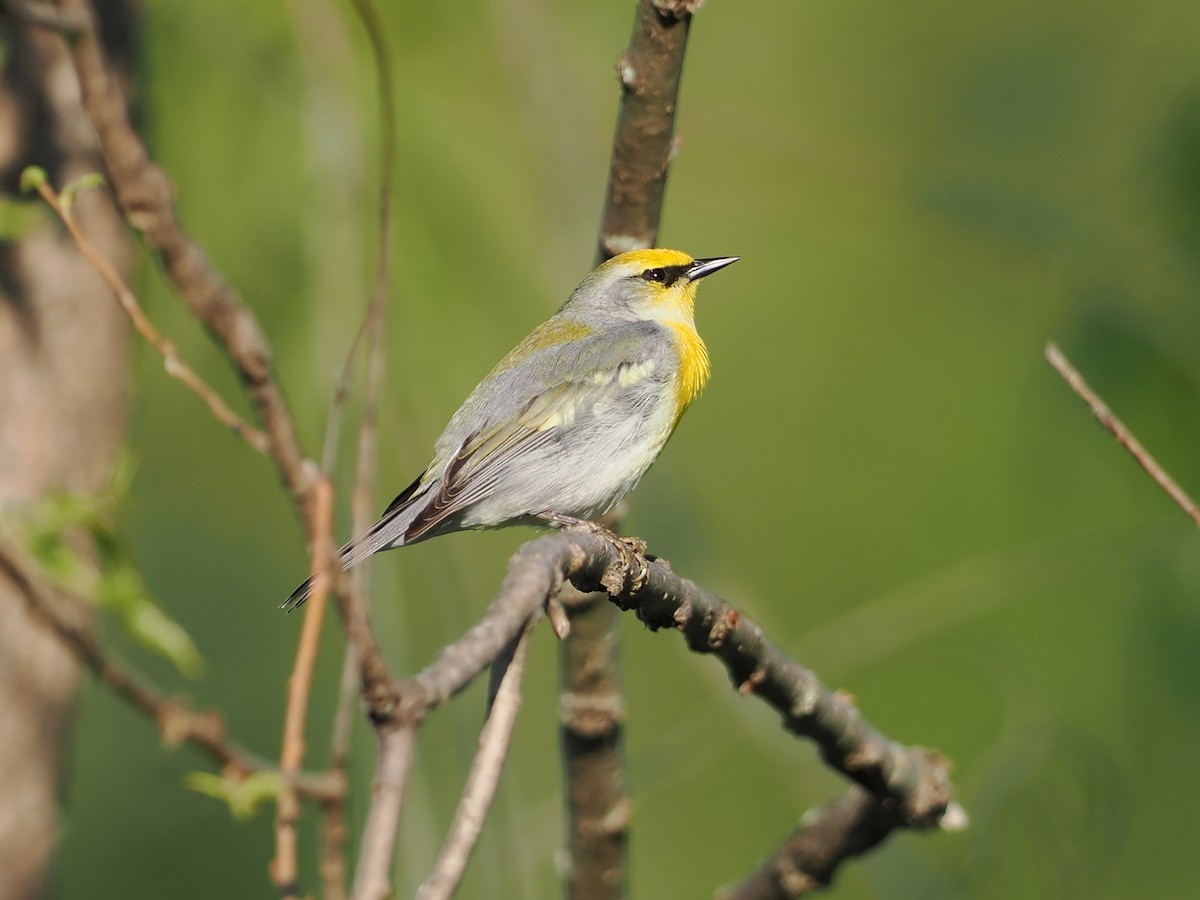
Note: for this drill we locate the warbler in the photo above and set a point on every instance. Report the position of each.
(571, 419)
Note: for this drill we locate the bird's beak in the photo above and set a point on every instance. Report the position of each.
(701, 267)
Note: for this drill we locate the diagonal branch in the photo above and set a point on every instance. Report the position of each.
(128, 301)
(1117, 429)
(177, 722)
(483, 779)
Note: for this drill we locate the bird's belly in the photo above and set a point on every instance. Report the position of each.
(584, 473)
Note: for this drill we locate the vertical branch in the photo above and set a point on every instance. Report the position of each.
(590, 734)
(592, 711)
(285, 866)
(649, 70)
(334, 830)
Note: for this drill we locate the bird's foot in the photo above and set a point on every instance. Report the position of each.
(634, 570)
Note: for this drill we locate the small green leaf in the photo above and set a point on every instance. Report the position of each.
(83, 183)
(244, 797)
(32, 178)
(156, 630)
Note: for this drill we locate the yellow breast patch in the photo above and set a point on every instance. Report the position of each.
(694, 368)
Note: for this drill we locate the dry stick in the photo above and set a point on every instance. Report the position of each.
(846, 827)
(482, 780)
(373, 874)
(590, 733)
(1117, 429)
(177, 722)
(174, 365)
(285, 866)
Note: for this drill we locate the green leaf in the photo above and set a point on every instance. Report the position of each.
(244, 796)
(83, 183)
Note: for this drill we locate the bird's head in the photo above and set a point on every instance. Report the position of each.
(655, 285)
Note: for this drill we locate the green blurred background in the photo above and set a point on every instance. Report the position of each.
(883, 472)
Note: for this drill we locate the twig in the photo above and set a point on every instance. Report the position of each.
(144, 194)
(373, 874)
(806, 862)
(177, 722)
(334, 830)
(174, 365)
(482, 781)
(1117, 429)
(285, 866)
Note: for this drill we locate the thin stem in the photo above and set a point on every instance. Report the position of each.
(482, 780)
(1124, 437)
(285, 866)
(174, 364)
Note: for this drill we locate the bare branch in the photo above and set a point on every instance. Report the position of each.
(591, 733)
(174, 364)
(177, 722)
(287, 811)
(649, 70)
(913, 781)
(482, 780)
(373, 875)
(1117, 429)
(847, 827)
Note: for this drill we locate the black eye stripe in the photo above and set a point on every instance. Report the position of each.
(666, 275)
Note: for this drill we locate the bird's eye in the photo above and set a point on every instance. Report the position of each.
(659, 275)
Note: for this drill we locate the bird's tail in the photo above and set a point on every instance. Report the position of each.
(389, 531)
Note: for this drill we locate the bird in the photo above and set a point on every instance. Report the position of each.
(567, 423)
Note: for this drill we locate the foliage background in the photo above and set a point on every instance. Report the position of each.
(883, 472)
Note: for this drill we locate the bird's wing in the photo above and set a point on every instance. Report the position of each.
(485, 456)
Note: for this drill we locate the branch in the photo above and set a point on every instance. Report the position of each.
(914, 782)
(591, 733)
(177, 722)
(482, 780)
(649, 70)
(847, 827)
(174, 364)
(1117, 429)
(287, 811)
(591, 737)
(373, 875)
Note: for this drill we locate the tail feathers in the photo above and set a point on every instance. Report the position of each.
(389, 531)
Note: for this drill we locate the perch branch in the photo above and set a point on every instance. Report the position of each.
(1117, 429)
